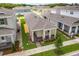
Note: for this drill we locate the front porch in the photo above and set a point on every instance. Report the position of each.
(40, 35)
(68, 29)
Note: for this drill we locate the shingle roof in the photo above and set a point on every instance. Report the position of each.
(62, 18)
(36, 22)
(6, 12)
(67, 7)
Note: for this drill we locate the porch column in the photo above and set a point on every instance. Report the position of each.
(63, 27)
(70, 29)
(32, 36)
(43, 34)
(55, 31)
(76, 29)
(12, 39)
(50, 34)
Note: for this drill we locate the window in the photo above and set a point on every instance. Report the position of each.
(73, 29)
(3, 21)
(71, 12)
(2, 38)
(60, 25)
(66, 28)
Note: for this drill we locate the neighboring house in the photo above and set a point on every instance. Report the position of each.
(68, 18)
(7, 28)
(72, 11)
(40, 9)
(21, 10)
(68, 24)
(40, 28)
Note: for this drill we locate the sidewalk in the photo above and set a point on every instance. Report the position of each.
(42, 49)
(74, 53)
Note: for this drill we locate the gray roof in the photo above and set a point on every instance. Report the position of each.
(67, 7)
(36, 22)
(6, 12)
(62, 18)
(6, 31)
(21, 7)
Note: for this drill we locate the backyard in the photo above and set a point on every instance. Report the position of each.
(27, 44)
(65, 50)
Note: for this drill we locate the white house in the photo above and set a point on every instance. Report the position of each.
(72, 11)
(7, 28)
(40, 28)
(68, 18)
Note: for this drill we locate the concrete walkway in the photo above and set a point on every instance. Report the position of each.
(74, 53)
(38, 44)
(42, 49)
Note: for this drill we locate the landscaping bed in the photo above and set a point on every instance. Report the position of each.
(77, 35)
(12, 50)
(66, 49)
(63, 37)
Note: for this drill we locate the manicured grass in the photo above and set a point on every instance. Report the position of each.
(63, 37)
(65, 49)
(48, 42)
(77, 35)
(25, 37)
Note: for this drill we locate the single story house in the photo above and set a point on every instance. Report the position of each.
(40, 28)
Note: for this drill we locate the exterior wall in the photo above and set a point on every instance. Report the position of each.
(67, 13)
(53, 32)
(11, 23)
(8, 38)
(55, 11)
(39, 33)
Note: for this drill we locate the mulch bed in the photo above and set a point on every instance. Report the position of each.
(9, 50)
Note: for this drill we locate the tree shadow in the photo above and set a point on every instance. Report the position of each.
(59, 52)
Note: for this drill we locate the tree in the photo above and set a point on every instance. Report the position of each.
(58, 44)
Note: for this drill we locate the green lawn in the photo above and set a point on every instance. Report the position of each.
(65, 49)
(64, 38)
(25, 37)
(77, 35)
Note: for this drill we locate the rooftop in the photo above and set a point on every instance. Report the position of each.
(36, 22)
(6, 12)
(61, 18)
(67, 7)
